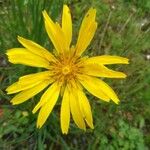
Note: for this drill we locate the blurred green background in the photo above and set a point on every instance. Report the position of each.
(124, 29)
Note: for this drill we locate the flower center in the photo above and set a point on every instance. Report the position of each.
(66, 70)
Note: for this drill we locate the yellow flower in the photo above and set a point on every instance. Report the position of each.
(67, 72)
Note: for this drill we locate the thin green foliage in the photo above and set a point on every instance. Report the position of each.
(24, 18)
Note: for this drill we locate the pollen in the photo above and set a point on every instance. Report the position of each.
(66, 70)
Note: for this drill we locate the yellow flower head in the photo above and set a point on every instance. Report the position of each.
(67, 72)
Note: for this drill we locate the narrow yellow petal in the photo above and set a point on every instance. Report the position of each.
(102, 71)
(28, 81)
(65, 112)
(87, 31)
(67, 24)
(47, 107)
(35, 77)
(46, 96)
(91, 85)
(23, 56)
(88, 19)
(85, 108)
(36, 48)
(107, 59)
(29, 93)
(75, 110)
(14, 88)
(55, 33)
(89, 82)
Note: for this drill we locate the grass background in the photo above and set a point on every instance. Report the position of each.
(124, 29)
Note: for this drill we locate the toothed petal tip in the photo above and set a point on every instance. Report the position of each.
(126, 61)
(65, 132)
(117, 102)
(13, 103)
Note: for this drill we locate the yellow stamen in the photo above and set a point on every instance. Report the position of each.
(66, 70)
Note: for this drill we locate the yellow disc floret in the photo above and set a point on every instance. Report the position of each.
(66, 70)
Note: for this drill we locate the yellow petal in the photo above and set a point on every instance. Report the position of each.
(46, 96)
(87, 31)
(75, 110)
(29, 93)
(55, 33)
(23, 56)
(93, 87)
(28, 81)
(67, 24)
(65, 112)
(89, 82)
(47, 107)
(36, 48)
(88, 19)
(106, 60)
(14, 88)
(35, 77)
(85, 108)
(102, 71)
